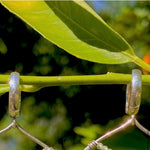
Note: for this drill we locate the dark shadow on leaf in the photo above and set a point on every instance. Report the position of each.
(87, 27)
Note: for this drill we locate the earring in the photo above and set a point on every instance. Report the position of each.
(14, 110)
(133, 93)
(133, 98)
(14, 96)
(133, 101)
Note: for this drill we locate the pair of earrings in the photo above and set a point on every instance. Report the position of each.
(14, 110)
(133, 101)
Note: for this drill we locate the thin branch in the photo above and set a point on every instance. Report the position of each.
(43, 81)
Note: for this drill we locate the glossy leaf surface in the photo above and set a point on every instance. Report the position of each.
(76, 28)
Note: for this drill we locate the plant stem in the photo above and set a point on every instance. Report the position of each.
(141, 63)
(39, 82)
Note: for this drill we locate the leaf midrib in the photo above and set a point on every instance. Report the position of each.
(83, 28)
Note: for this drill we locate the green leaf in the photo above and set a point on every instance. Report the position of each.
(31, 88)
(26, 88)
(76, 28)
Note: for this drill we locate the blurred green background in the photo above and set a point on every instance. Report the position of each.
(69, 117)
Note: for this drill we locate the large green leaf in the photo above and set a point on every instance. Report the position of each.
(76, 28)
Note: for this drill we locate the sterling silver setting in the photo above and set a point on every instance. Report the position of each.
(14, 110)
(133, 102)
(133, 93)
(14, 95)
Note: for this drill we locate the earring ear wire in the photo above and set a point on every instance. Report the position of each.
(94, 143)
(142, 128)
(133, 98)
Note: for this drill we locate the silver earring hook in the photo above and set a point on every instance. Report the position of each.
(14, 95)
(95, 143)
(133, 98)
(133, 93)
(14, 110)
(133, 101)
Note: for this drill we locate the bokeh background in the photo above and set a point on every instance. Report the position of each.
(69, 117)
